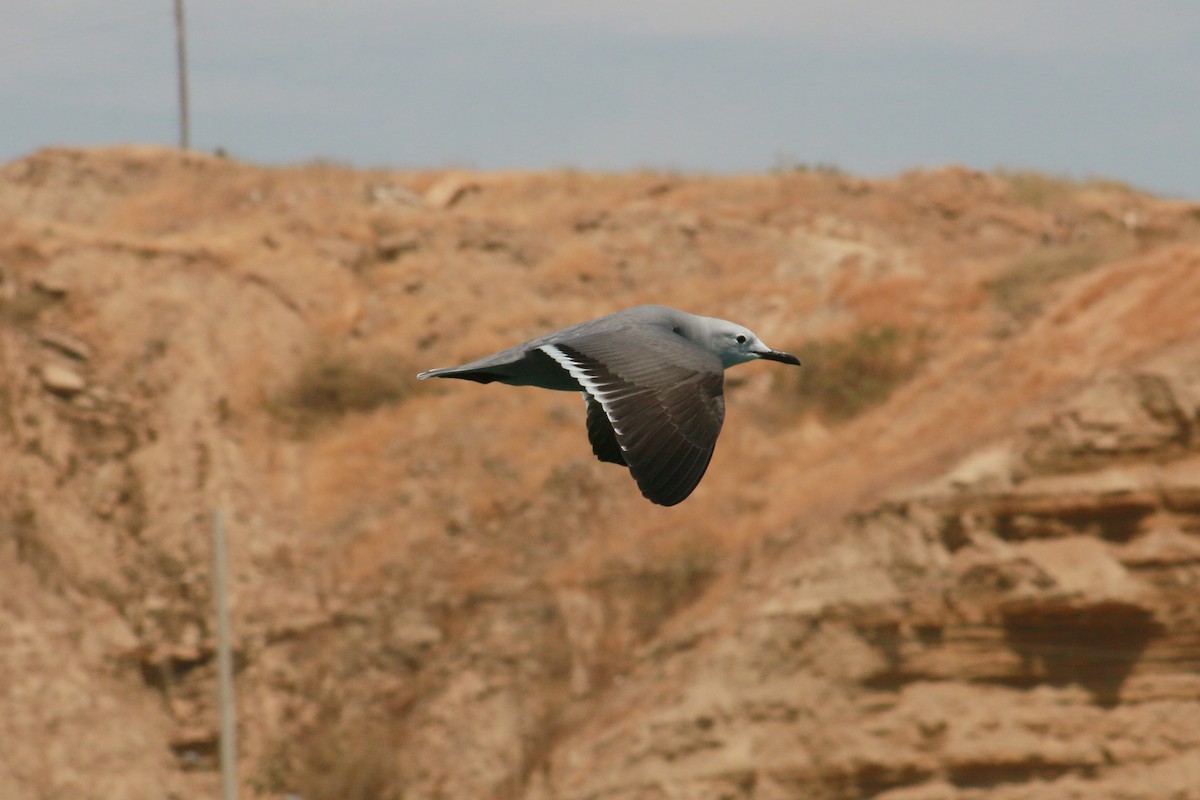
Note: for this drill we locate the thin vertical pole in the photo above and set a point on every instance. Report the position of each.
(181, 54)
(228, 733)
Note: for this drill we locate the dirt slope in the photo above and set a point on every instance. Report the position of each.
(970, 572)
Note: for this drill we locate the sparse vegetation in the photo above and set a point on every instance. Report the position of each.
(341, 760)
(333, 382)
(1041, 191)
(23, 309)
(1037, 190)
(785, 164)
(1021, 289)
(844, 377)
(659, 590)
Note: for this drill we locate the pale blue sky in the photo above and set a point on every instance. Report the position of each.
(1076, 87)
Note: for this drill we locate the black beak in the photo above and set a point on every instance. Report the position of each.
(783, 358)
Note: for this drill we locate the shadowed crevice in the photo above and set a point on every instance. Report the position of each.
(1095, 646)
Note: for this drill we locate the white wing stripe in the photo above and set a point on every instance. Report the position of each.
(588, 382)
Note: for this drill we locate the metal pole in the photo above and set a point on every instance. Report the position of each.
(228, 733)
(181, 53)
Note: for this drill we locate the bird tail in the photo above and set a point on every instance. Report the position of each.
(477, 375)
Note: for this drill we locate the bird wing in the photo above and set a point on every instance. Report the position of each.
(601, 435)
(661, 394)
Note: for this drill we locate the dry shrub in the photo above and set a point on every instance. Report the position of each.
(658, 587)
(340, 760)
(1020, 290)
(24, 308)
(332, 383)
(1043, 192)
(841, 378)
(1038, 191)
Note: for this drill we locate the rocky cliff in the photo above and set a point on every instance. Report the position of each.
(957, 555)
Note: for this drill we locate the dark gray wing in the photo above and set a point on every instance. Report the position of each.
(662, 396)
(601, 435)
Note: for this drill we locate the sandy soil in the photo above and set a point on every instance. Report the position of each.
(976, 580)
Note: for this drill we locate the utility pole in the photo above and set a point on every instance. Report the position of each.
(181, 53)
(228, 725)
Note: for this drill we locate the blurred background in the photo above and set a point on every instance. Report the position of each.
(1086, 89)
(955, 556)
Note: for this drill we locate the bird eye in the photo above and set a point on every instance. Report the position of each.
(741, 339)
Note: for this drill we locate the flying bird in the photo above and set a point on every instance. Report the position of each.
(653, 381)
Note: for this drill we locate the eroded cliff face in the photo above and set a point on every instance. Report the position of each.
(984, 584)
(1025, 625)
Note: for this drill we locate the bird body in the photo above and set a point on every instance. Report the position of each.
(653, 380)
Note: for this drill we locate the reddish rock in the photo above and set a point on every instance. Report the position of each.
(980, 588)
